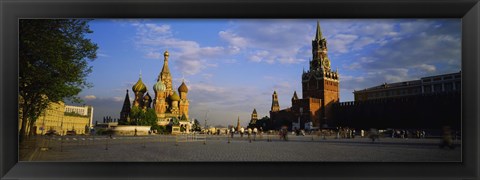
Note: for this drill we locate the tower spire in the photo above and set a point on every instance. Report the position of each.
(275, 105)
(165, 75)
(318, 35)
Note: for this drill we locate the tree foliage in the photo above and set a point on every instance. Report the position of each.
(196, 125)
(142, 117)
(53, 63)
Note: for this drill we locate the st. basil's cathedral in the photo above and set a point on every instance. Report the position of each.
(167, 103)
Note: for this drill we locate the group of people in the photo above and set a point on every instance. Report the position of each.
(249, 132)
(346, 132)
(406, 134)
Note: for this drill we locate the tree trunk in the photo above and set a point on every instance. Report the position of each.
(23, 128)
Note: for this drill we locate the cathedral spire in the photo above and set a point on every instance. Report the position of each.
(275, 104)
(318, 35)
(238, 124)
(294, 97)
(126, 103)
(165, 75)
(125, 110)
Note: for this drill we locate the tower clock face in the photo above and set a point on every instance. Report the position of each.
(326, 63)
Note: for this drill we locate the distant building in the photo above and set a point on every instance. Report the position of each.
(238, 124)
(81, 110)
(320, 89)
(61, 118)
(426, 85)
(253, 119)
(169, 105)
(430, 102)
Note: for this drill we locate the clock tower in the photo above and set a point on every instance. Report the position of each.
(320, 81)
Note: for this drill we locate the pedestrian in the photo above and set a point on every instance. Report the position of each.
(255, 131)
(241, 132)
(447, 138)
(362, 133)
(232, 132)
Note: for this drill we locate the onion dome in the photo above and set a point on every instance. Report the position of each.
(183, 88)
(166, 54)
(159, 87)
(175, 97)
(139, 86)
(147, 97)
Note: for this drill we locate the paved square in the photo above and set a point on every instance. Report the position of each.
(159, 148)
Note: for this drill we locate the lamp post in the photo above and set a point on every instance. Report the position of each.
(205, 140)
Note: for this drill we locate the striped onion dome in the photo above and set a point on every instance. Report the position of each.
(175, 97)
(159, 87)
(183, 88)
(139, 86)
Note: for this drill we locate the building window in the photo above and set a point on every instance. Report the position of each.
(458, 86)
(437, 87)
(427, 89)
(448, 86)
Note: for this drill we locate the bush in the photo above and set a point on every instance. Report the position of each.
(160, 129)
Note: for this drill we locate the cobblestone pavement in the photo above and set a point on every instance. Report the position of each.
(158, 148)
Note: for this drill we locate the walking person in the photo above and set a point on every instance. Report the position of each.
(447, 138)
(255, 131)
(241, 132)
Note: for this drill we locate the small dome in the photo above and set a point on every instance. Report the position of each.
(139, 86)
(183, 88)
(166, 54)
(147, 96)
(159, 87)
(175, 97)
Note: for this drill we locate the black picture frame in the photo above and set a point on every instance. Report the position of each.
(467, 10)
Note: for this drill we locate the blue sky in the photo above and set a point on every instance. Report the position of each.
(233, 65)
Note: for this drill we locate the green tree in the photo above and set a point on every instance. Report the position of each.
(53, 64)
(150, 117)
(175, 121)
(264, 122)
(196, 125)
(136, 115)
(142, 117)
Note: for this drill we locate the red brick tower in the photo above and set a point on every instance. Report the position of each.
(320, 81)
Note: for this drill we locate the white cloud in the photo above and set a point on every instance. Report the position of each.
(191, 57)
(153, 55)
(232, 38)
(118, 99)
(269, 41)
(341, 43)
(206, 88)
(90, 97)
(102, 55)
(258, 56)
(426, 67)
(158, 29)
